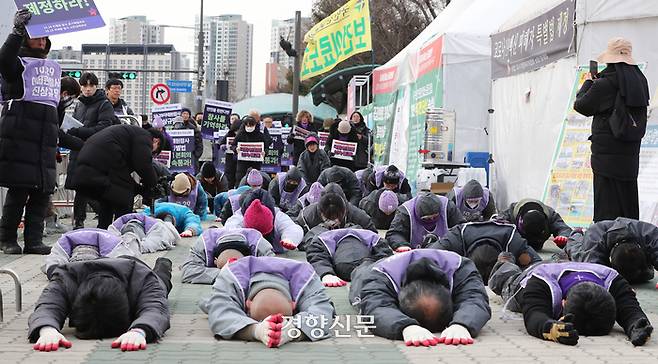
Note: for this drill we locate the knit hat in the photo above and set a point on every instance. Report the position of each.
(254, 179)
(473, 189)
(84, 252)
(158, 122)
(181, 184)
(208, 170)
(388, 202)
(314, 192)
(344, 127)
(232, 241)
(311, 139)
(186, 110)
(427, 204)
(259, 217)
(261, 281)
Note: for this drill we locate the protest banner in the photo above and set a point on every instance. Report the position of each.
(323, 139)
(164, 157)
(167, 113)
(215, 117)
(343, 150)
(287, 149)
(51, 17)
(272, 162)
(182, 148)
(300, 133)
(251, 152)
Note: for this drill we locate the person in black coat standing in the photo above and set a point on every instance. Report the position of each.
(362, 157)
(96, 113)
(230, 160)
(30, 86)
(249, 133)
(305, 122)
(106, 162)
(343, 132)
(619, 93)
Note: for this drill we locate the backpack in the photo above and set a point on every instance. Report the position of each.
(628, 124)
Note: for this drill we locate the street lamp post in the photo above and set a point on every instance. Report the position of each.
(200, 74)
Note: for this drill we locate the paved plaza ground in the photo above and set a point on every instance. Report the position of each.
(190, 341)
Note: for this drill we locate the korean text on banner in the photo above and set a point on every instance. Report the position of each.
(323, 138)
(251, 152)
(343, 150)
(182, 148)
(339, 36)
(167, 113)
(164, 157)
(51, 17)
(300, 133)
(215, 117)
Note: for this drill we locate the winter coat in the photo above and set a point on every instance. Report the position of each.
(312, 164)
(350, 137)
(346, 179)
(298, 146)
(219, 185)
(370, 204)
(121, 108)
(556, 226)
(361, 158)
(185, 218)
(151, 235)
(284, 229)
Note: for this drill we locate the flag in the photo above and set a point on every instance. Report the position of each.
(336, 38)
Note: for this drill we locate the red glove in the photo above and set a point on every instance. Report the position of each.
(269, 331)
(402, 249)
(560, 241)
(330, 280)
(288, 245)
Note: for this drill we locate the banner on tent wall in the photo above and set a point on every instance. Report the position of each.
(383, 114)
(646, 180)
(535, 43)
(339, 36)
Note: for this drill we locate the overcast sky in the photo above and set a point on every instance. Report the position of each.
(259, 13)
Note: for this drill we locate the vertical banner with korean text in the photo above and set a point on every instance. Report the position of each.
(182, 148)
(385, 100)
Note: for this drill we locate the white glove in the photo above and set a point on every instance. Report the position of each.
(132, 340)
(329, 280)
(269, 330)
(415, 335)
(456, 334)
(50, 339)
(187, 234)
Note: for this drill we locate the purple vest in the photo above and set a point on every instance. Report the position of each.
(395, 266)
(211, 236)
(298, 274)
(417, 231)
(102, 239)
(146, 220)
(379, 175)
(187, 201)
(332, 238)
(41, 81)
(551, 274)
(287, 199)
(234, 200)
(467, 211)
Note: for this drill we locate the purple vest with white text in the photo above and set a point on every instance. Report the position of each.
(102, 239)
(287, 199)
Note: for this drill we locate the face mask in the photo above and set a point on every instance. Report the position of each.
(250, 129)
(289, 187)
(429, 222)
(473, 203)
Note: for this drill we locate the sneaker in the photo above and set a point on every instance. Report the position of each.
(11, 248)
(38, 249)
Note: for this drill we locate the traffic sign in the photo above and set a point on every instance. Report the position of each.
(180, 86)
(160, 94)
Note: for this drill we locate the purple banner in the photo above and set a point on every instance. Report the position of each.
(52, 17)
(181, 154)
(215, 118)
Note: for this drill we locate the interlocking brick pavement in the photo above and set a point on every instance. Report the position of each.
(190, 341)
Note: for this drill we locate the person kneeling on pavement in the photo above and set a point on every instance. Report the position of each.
(629, 246)
(217, 246)
(146, 233)
(187, 191)
(561, 301)
(476, 203)
(187, 223)
(103, 298)
(425, 214)
(254, 181)
(334, 254)
(312, 196)
(213, 182)
(381, 206)
(389, 178)
(271, 300)
(286, 188)
(415, 294)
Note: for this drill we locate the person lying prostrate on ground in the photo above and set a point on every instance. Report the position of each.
(187, 191)
(381, 206)
(264, 183)
(481, 242)
(103, 298)
(347, 181)
(332, 212)
(425, 214)
(145, 232)
(287, 187)
(187, 223)
(390, 178)
(536, 222)
(629, 246)
(213, 182)
(216, 246)
(476, 203)
(561, 301)
(269, 300)
(86, 244)
(312, 196)
(258, 212)
(415, 294)
(334, 254)
(228, 203)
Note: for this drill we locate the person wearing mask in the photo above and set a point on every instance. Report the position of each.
(249, 133)
(186, 122)
(475, 202)
(95, 112)
(113, 88)
(617, 98)
(361, 159)
(287, 187)
(313, 160)
(28, 135)
(305, 125)
(213, 182)
(343, 132)
(230, 159)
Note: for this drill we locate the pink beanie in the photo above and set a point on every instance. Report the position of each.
(259, 217)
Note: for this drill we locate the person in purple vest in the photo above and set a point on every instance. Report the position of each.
(286, 188)
(215, 247)
(561, 301)
(312, 196)
(231, 201)
(627, 245)
(271, 300)
(420, 216)
(390, 178)
(187, 191)
(334, 254)
(476, 203)
(146, 233)
(415, 294)
(30, 94)
(250, 179)
(257, 211)
(381, 206)
(482, 242)
(86, 244)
